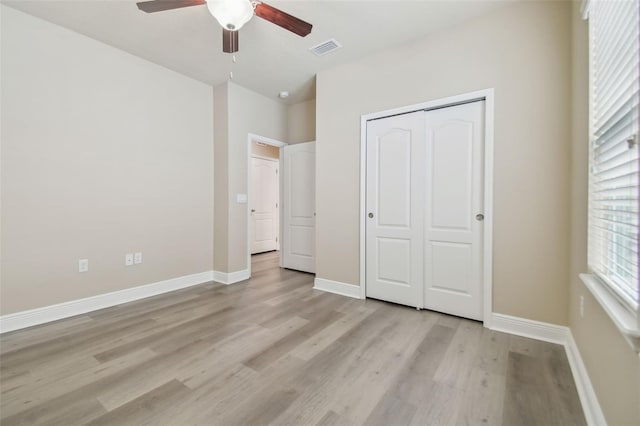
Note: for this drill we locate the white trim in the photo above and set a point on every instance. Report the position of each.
(262, 157)
(363, 207)
(625, 321)
(487, 236)
(251, 137)
(585, 6)
(590, 405)
(337, 287)
(528, 328)
(59, 311)
(560, 335)
(488, 96)
(231, 277)
(437, 103)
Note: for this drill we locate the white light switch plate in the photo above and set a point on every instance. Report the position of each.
(128, 259)
(241, 198)
(83, 265)
(137, 258)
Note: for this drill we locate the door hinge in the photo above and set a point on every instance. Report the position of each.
(276, 205)
(276, 239)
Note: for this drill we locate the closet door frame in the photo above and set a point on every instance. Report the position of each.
(486, 95)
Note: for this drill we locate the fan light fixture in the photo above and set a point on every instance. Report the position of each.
(231, 14)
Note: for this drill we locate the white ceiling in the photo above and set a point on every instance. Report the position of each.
(270, 59)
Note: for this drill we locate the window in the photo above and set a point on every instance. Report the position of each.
(613, 180)
(613, 161)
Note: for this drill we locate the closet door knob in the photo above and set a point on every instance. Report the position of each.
(479, 217)
(370, 215)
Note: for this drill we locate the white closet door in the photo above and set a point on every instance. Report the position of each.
(395, 209)
(264, 205)
(424, 192)
(454, 196)
(299, 176)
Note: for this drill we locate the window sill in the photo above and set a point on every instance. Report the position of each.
(626, 322)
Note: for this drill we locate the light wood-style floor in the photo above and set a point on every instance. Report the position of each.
(273, 351)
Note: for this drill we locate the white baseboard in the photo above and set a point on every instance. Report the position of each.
(562, 336)
(337, 287)
(231, 277)
(529, 328)
(59, 311)
(590, 405)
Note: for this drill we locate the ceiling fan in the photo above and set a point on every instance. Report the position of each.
(232, 15)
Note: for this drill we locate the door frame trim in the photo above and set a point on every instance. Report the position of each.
(486, 95)
(251, 137)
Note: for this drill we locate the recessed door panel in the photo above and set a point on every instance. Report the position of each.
(451, 267)
(394, 178)
(264, 229)
(394, 261)
(451, 179)
(303, 204)
(301, 241)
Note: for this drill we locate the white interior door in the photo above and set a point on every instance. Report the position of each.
(424, 195)
(395, 209)
(264, 205)
(454, 196)
(299, 176)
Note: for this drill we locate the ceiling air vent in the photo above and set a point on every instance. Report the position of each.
(326, 47)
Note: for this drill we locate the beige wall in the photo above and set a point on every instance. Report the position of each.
(521, 50)
(221, 178)
(247, 112)
(103, 154)
(301, 122)
(613, 367)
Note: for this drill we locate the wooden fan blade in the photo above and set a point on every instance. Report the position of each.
(160, 5)
(229, 41)
(282, 19)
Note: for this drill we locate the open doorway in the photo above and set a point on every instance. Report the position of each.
(264, 196)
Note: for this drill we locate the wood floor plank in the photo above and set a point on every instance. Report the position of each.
(272, 350)
(42, 391)
(440, 406)
(421, 367)
(529, 398)
(145, 409)
(458, 361)
(289, 342)
(483, 399)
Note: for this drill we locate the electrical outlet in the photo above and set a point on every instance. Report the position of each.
(137, 258)
(83, 265)
(581, 306)
(128, 259)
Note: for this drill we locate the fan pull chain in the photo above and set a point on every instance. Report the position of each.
(233, 61)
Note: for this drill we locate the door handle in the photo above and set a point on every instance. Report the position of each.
(253, 210)
(479, 217)
(370, 215)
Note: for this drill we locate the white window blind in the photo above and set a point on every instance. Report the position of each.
(614, 161)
